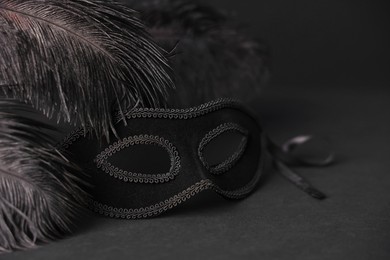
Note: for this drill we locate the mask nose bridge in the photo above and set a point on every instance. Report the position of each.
(187, 141)
(189, 148)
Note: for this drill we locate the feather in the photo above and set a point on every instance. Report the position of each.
(79, 59)
(40, 195)
(213, 57)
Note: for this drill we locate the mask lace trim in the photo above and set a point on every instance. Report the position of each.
(234, 158)
(103, 164)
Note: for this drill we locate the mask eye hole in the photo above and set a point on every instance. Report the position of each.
(143, 159)
(222, 147)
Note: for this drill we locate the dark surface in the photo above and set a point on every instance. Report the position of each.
(331, 65)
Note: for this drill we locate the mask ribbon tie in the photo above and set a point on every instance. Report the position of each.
(283, 157)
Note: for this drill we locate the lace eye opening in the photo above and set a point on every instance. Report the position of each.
(219, 166)
(102, 162)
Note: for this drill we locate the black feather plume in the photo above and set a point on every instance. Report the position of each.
(80, 58)
(213, 57)
(39, 193)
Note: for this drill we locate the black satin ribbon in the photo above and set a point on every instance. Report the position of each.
(283, 158)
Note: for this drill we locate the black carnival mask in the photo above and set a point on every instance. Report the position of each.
(187, 138)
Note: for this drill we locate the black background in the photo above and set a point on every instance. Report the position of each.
(321, 42)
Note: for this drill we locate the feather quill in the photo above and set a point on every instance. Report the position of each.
(40, 195)
(213, 57)
(79, 59)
